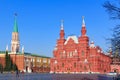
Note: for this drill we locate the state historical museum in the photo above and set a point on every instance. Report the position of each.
(78, 55)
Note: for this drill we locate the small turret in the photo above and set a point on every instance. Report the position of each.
(6, 47)
(22, 49)
(92, 45)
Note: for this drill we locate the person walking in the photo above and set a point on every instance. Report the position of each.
(17, 73)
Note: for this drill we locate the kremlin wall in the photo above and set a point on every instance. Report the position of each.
(27, 62)
(70, 55)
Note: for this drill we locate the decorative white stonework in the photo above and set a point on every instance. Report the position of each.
(75, 50)
(83, 21)
(73, 38)
(59, 72)
(98, 51)
(65, 72)
(92, 45)
(51, 72)
(86, 61)
(15, 44)
(77, 72)
(55, 62)
(71, 54)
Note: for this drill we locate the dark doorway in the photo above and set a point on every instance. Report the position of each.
(115, 70)
(104, 71)
(26, 68)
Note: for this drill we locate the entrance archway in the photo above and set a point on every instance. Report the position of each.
(26, 68)
(115, 70)
(68, 70)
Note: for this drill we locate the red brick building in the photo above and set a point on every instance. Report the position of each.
(115, 64)
(78, 55)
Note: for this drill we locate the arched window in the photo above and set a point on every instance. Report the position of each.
(82, 52)
(85, 68)
(62, 64)
(74, 65)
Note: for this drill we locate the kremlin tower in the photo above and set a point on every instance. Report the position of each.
(15, 44)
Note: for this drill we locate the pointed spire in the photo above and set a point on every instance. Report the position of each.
(62, 25)
(15, 24)
(83, 21)
(83, 30)
(6, 47)
(62, 34)
(22, 49)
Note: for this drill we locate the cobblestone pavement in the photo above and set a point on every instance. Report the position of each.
(40, 76)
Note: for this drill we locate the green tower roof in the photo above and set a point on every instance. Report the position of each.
(15, 26)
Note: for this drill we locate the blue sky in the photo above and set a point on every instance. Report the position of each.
(39, 22)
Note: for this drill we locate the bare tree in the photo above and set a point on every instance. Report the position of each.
(113, 9)
(114, 13)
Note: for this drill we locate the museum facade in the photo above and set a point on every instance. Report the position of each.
(78, 55)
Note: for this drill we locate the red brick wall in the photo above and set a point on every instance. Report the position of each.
(2, 61)
(18, 59)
